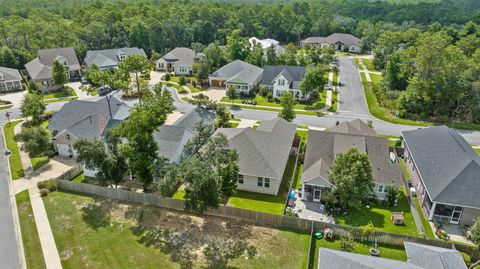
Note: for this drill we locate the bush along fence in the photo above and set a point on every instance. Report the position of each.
(261, 218)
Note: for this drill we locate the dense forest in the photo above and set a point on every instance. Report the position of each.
(426, 49)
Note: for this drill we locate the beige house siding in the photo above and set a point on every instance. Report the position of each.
(250, 183)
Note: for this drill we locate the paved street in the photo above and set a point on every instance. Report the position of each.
(9, 256)
(352, 97)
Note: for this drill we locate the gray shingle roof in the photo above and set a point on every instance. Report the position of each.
(294, 74)
(239, 72)
(181, 56)
(171, 139)
(323, 146)
(334, 259)
(447, 164)
(430, 257)
(90, 127)
(77, 111)
(346, 39)
(263, 151)
(41, 67)
(10, 74)
(109, 58)
(354, 127)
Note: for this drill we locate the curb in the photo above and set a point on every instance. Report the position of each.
(16, 220)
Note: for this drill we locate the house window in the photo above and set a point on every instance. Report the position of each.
(68, 136)
(240, 179)
(122, 56)
(267, 183)
(380, 188)
(2, 77)
(260, 182)
(281, 82)
(183, 69)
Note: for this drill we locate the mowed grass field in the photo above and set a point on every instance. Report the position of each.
(93, 232)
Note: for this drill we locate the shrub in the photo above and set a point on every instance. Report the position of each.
(43, 192)
(50, 185)
(42, 184)
(347, 244)
(392, 196)
(289, 212)
(466, 258)
(166, 77)
(182, 81)
(270, 97)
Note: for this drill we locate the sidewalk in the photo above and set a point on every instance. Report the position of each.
(26, 162)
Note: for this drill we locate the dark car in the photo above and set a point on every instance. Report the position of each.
(83, 80)
(102, 91)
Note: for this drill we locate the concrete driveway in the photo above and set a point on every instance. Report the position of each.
(82, 95)
(14, 97)
(155, 77)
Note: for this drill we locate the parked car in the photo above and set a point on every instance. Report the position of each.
(102, 91)
(83, 80)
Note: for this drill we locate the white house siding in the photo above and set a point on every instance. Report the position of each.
(250, 184)
(182, 70)
(89, 173)
(161, 65)
(279, 90)
(240, 88)
(381, 194)
(10, 85)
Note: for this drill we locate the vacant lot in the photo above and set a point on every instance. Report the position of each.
(93, 232)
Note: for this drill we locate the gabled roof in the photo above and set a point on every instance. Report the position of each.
(180, 56)
(334, 259)
(90, 127)
(171, 139)
(267, 43)
(10, 74)
(294, 74)
(447, 164)
(109, 57)
(323, 147)
(264, 151)
(239, 72)
(41, 67)
(346, 39)
(77, 111)
(430, 257)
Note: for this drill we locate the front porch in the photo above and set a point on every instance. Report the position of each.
(312, 193)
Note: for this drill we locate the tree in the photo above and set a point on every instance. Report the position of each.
(202, 73)
(33, 106)
(238, 46)
(255, 56)
(218, 252)
(232, 94)
(7, 58)
(194, 145)
(313, 81)
(271, 56)
(474, 231)
(351, 174)
(36, 141)
(136, 65)
(392, 196)
(59, 74)
(288, 102)
(214, 56)
(103, 157)
(167, 172)
(93, 75)
(223, 116)
(140, 149)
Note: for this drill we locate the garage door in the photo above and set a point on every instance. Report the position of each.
(64, 150)
(214, 83)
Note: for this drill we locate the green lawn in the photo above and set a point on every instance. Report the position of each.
(62, 99)
(262, 101)
(16, 168)
(66, 92)
(380, 215)
(102, 235)
(38, 162)
(274, 109)
(79, 178)
(189, 85)
(179, 89)
(234, 124)
(265, 202)
(335, 79)
(6, 107)
(369, 64)
(380, 112)
(386, 251)
(477, 150)
(31, 241)
(179, 194)
(334, 106)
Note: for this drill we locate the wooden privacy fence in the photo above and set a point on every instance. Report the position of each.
(260, 218)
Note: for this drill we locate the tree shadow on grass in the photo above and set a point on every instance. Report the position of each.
(363, 217)
(95, 216)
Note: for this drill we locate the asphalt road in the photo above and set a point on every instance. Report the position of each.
(9, 256)
(352, 97)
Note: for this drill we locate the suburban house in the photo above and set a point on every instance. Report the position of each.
(243, 76)
(341, 42)
(172, 138)
(84, 120)
(267, 43)
(179, 60)
(110, 58)
(10, 79)
(418, 257)
(323, 146)
(263, 154)
(445, 172)
(40, 68)
(282, 78)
